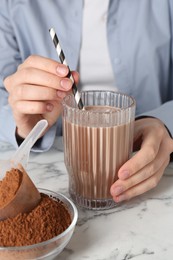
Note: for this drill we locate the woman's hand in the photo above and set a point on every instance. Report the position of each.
(144, 170)
(36, 90)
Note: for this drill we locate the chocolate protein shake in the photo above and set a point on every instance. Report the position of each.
(97, 142)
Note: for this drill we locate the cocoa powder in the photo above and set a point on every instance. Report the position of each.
(9, 186)
(47, 220)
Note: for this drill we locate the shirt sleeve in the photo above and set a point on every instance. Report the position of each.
(10, 58)
(165, 111)
(9, 61)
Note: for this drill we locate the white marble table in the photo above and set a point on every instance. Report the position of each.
(141, 229)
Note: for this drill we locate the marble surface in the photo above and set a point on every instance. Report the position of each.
(141, 229)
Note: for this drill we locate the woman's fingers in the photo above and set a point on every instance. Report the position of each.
(35, 91)
(45, 64)
(33, 76)
(145, 173)
(152, 132)
(48, 65)
(42, 72)
(33, 107)
(147, 153)
(143, 187)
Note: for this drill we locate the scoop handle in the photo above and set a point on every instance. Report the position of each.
(22, 153)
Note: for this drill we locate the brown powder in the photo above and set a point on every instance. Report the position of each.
(9, 186)
(47, 220)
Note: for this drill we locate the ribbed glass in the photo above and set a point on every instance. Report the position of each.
(97, 142)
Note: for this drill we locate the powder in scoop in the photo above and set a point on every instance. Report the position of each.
(9, 186)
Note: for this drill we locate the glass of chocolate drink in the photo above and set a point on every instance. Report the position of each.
(97, 142)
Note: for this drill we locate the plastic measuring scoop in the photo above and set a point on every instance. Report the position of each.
(21, 156)
(27, 195)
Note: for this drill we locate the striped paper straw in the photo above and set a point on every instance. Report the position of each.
(63, 61)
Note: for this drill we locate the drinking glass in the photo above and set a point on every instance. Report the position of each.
(97, 142)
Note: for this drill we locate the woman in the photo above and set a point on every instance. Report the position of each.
(117, 45)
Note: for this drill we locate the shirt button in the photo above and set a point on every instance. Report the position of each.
(114, 21)
(76, 13)
(117, 61)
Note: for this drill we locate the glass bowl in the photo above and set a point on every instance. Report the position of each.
(48, 249)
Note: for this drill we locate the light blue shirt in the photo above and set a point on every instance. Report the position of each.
(140, 45)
